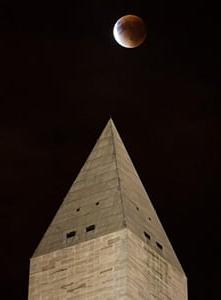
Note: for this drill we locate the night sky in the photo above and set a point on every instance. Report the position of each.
(63, 76)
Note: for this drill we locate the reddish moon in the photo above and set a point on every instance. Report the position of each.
(129, 31)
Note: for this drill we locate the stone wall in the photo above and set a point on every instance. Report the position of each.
(95, 269)
(150, 276)
(116, 266)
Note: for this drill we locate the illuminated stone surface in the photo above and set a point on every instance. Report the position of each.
(106, 241)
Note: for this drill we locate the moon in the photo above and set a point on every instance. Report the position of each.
(129, 31)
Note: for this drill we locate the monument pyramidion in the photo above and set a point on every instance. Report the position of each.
(106, 241)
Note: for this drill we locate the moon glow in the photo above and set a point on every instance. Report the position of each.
(129, 31)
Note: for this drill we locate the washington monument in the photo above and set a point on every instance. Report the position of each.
(106, 241)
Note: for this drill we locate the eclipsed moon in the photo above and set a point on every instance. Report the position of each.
(129, 31)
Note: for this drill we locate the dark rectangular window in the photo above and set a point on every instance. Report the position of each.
(70, 234)
(159, 246)
(90, 228)
(147, 235)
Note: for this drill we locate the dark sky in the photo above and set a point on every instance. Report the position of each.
(62, 76)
